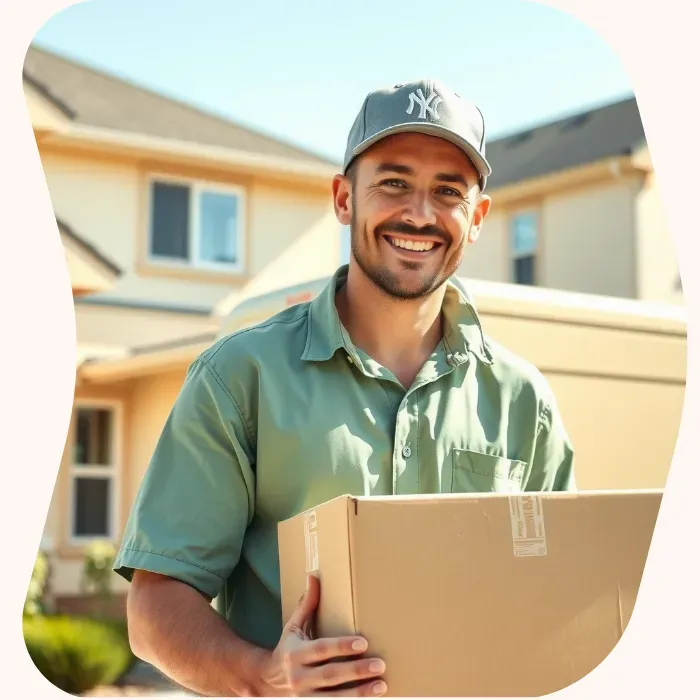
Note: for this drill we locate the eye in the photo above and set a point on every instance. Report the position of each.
(449, 192)
(393, 182)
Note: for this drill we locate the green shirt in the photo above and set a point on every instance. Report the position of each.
(285, 415)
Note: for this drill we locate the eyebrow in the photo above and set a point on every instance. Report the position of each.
(406, 170)
(394, 168)
(452, 177)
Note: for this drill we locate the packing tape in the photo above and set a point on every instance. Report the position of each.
(527, 525)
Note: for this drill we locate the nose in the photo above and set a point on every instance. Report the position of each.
(419, 211)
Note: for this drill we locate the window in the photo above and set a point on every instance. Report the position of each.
(344, 245)
(523, 247)
(196, 225)
(94, 472)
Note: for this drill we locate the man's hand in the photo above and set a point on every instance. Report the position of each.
(303, 666)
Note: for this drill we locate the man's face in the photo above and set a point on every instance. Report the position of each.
(413, 208)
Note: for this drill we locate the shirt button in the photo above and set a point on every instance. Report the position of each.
(406, 452)
(349, 359)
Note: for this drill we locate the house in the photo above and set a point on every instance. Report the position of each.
(163, 211)
(577, 208)
(179, 226)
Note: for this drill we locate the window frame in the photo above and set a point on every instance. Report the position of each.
(112, 472)
(534, 212)
(193, 262)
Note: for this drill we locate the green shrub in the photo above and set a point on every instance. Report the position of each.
(120, 626)
(77, 654)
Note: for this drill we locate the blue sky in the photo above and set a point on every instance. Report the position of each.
(301, 70)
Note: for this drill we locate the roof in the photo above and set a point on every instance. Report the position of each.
(608, 131)
(141, 305)
(66, 230)
(97, 99)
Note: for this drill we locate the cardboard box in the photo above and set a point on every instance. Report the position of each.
(476, 594)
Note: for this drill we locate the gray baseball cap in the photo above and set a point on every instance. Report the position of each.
(425, 107)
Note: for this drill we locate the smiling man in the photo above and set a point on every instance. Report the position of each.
(384, 384)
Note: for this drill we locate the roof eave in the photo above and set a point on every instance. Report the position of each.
(170, 150)
(106, 371)
(531, 188)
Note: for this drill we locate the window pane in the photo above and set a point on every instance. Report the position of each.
(218, 226)
(93, 436)
(170, 212)
(92, 507)
(524, 270)
(524, 234)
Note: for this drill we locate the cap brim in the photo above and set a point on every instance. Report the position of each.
(480, 163)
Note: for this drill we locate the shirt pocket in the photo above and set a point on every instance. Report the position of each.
(479, 472)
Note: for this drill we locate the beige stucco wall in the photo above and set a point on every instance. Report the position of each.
(620, 393)
(65, 578)
(105, 202)
(127, 327)
(487, 257)
(306, 249)
(152, 398)
(624, 432)
(587, 240)
(657, 262)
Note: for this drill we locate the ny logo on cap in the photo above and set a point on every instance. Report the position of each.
(425, 105)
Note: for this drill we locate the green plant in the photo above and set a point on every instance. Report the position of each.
(33, 603)
(98, 558)
(77, 654)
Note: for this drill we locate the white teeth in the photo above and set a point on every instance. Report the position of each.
(413, 245)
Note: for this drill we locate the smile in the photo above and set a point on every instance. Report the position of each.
(413, 245)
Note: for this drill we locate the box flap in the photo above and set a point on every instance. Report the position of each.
(316, 541)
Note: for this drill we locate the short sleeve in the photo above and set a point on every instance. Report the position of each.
(553, 461)
(197, 497)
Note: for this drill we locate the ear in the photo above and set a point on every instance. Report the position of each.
(342, 200)
(482, 210)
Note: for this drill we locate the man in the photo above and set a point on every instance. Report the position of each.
(384, 384)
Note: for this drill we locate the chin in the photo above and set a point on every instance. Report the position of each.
(406, 290)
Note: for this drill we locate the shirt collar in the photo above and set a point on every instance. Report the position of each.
(463, 331)
(325, 335)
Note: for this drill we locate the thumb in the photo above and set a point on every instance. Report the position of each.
(304, 612)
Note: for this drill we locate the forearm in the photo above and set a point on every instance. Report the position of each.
(175, 629)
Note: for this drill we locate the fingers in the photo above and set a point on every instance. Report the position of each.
(307, 605)
(316, 667)
(371, 689)
(334, 674)
(320, 650)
